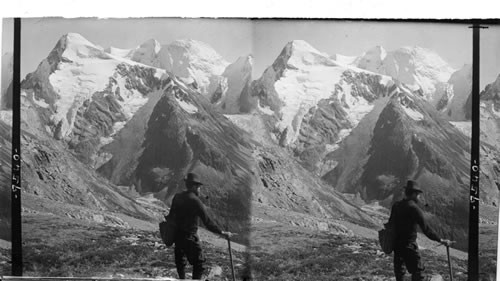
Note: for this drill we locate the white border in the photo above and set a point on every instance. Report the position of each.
(442, 9)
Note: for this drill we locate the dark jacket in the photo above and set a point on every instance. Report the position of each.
(406, 215)
(187, 209)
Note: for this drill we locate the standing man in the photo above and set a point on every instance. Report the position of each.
(187, 210)
(405, 216)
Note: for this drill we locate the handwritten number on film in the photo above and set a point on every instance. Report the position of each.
(16, 167)
(474, 180)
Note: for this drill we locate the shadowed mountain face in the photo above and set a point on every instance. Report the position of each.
(182, 132)
(410, 140)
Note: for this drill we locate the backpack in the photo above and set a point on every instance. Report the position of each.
(168, 228)
(386, 238)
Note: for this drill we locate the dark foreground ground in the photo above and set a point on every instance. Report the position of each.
(55, 246)
(65, 247)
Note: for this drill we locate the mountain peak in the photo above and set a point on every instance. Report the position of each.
(301, 46)
(76, 39)
(194, 52)
(297, 54)
(192, 46)
(492, 91)
(146, 53)
(372, 60)
(74, 46)
(244, 61)
(152, 44)
(425, 56)
(497, 82)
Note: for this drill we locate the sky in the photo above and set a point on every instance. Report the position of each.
(264, 39)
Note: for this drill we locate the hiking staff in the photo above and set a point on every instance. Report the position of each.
(230, 256)
(449, 260)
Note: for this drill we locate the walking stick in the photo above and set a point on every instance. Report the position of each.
(449, 261)
(231, 257)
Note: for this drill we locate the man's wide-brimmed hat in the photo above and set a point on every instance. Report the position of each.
(193, 178)
(412, 186)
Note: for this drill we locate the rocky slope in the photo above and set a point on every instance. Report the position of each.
(5, 172)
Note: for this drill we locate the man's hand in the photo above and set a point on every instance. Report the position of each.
(446, 242)
(228, 234)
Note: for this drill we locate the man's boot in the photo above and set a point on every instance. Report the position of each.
(400, 277)
(197, 272)
(181, 272)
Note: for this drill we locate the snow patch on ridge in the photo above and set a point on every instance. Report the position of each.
(346, 60)
(132, 99)
(40, 103)
(496, 113)
(6, 116)
(463, 127)
(266, 110)
(413, 114)
(188, 107)
(356, 107)
(117, 52)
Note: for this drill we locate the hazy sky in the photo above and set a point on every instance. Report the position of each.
(264, 39)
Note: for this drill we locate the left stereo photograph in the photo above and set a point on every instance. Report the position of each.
(112, 145)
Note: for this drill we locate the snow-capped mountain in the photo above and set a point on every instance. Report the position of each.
(314, 101)
(146, 53)
(194, 61)
(416, 67)
(78, 83)
(6, 90)
(236, 79)
(372, 60)
(423, 70)
(198, 65)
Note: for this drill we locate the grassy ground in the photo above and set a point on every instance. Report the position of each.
(55, 246)
(301, 254)
(488, 238)
(341, 257)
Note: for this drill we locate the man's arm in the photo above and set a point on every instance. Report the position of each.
(419, 216)
(205, 218)
(173, 208)
(391, 218)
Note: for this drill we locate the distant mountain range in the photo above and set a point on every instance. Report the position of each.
(311, 129)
